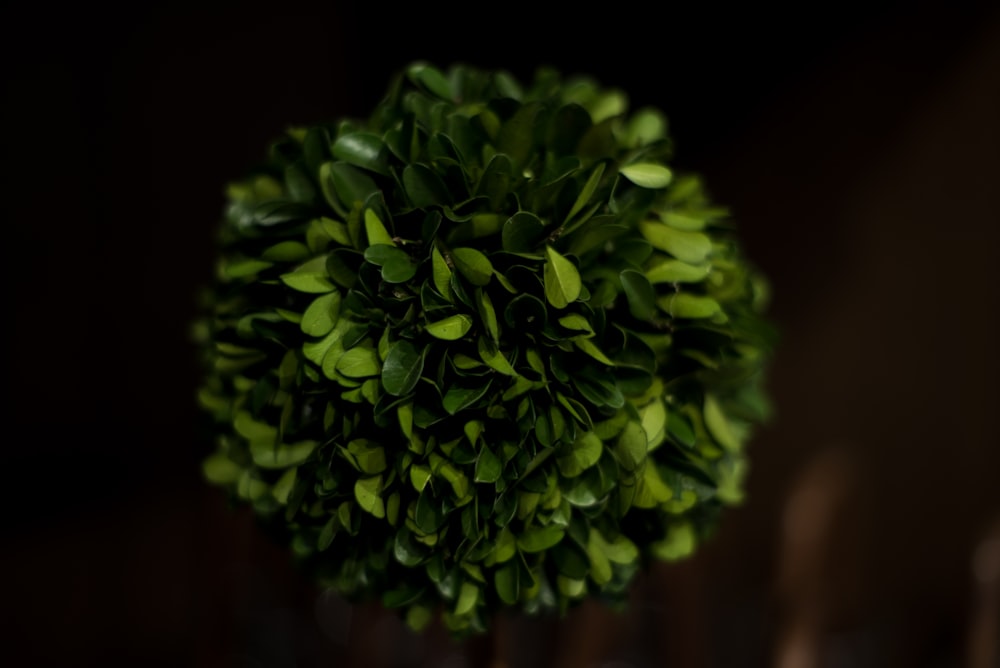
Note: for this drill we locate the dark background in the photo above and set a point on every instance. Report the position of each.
(856, 143)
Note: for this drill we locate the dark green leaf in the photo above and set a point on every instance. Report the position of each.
(428, 514)
(540, 538)
(424, 187)
(496, 179)
(507, 582)
(569, 124)
(588, 191)
(517, 135)
(431, 79)
(640, 294)
(458, 398)
(487, 314)
(488, 466)
(522, 232)
(351, 185)
(525, 313)
(342, 265)
(397, 266)
(570, 560)
(363, 149)
(473, 265)
(562, 280)
(402, 368)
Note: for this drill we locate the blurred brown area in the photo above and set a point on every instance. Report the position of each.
(858, 146)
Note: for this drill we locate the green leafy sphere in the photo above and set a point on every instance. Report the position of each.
(483, 350)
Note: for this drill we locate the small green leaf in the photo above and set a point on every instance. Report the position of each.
(522, 232)
(678, 427)
(588, 191)
(363, 149)
(377, 234)
(647, 174)
(507, 582)
(428, 515)
(459, 398)
(675, 271)
(621, 550)
(359, 362)
(718, 425)
(493, 358)
(681, 221)
(488, 466)
(646, 126)
(368, 492)
(468, 596)
(600, 565)
(496, 179)
(342, 265)
(419, 476)
(487, 313)
(679, 542)
(576, 323)
(286, 251)
(631, 446)
(310, 276)
(562, 280)
(684, 305)
(587, 346)
(431, 79)
(266, 455)
(690, 247)
(654, 423)
(441, 274)
(397, 266)
(321, 315)
(640, 294)
(540, 538)
(473, 265)
(402, 368)
(220, 469)
(351, 185)
(245, 268)
(424, 187)
(369, 458)
(582, 454)
(283, 488)
(450, 329)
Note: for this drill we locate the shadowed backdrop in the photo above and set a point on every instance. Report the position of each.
(858, 146)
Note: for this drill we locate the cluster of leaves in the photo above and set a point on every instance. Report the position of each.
(482, 350)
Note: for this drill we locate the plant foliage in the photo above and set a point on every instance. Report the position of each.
(483, 349)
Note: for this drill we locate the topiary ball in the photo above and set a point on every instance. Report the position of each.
(483, 349)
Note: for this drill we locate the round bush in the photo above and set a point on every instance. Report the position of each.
(483, 349)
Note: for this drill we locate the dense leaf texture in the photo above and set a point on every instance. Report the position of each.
(484, 348)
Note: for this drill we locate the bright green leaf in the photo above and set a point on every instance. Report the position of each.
(321, 315)
(690, 247)
(402, 368)
(647, 174)
(562, 280)
(451, 328)
(359, 362)
(473, 265)
(718, 425)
